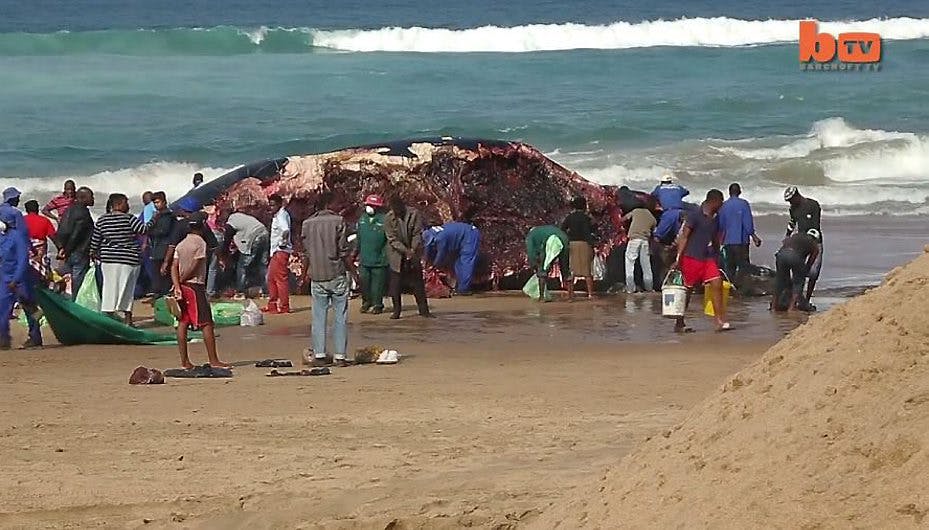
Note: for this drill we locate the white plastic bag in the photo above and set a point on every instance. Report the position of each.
(598, 268)
(251, 315)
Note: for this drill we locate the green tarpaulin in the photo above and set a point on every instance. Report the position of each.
(74, 324)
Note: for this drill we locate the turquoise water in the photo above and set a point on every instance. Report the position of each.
(135, 96)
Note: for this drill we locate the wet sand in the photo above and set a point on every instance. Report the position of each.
(499, 406)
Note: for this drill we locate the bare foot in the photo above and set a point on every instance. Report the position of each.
(187, 366)
(220, 364)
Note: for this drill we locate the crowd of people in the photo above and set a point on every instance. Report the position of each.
(192, 251)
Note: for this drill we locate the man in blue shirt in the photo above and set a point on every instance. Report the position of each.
(738, 227)
(454, 242)
(670, 195)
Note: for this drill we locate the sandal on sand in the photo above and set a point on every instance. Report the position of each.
(725, 327)
(274, 363)
(199, 372)
(304, 373)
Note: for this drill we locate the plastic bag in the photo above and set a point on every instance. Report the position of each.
(598, 268)
(536, 288)
(251, 315)
(87, 295)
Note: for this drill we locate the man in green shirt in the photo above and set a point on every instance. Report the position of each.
(372, 249)
(536, 242)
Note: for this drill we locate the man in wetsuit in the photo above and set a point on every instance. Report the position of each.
(805, 214)
(794, 259)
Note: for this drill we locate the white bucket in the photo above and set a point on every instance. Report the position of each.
(673, 301)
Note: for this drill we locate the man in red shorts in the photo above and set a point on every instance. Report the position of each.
(188, 273)
(698, 255)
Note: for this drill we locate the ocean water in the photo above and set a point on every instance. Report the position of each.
(134, 95)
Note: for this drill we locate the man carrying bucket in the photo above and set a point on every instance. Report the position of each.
(698, 256)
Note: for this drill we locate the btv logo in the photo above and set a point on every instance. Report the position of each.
(856, 47)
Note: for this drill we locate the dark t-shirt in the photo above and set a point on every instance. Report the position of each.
(182, 229)
(578, 226)
(806, 215)
(801, 244)
(703, 232)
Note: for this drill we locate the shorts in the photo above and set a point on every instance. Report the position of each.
(697, 271)
(581, 258)
(196, 312)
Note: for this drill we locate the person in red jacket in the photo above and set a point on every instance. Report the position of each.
(41, 230)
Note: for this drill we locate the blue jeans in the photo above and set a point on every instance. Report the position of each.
(213, 270)
(253, 266)
(334, 292)
(77, 264)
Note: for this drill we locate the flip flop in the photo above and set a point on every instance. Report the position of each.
(199, 372)
(724, 327)
(302, 373)
(274, 363)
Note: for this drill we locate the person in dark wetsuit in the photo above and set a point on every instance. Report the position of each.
(805, 214)
(794, 260)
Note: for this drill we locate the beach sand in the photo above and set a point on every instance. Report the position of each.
(499, 406)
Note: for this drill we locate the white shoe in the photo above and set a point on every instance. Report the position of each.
(388, 357)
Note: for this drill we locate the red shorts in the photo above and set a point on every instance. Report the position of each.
(697, 271)
(195, 307)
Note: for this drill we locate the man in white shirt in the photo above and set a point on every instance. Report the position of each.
(251, 238)
(281, 249)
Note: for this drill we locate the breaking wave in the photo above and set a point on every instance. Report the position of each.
(174, 178)
(849, 170)
(229, 40)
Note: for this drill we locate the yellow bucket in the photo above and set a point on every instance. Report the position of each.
(708, 299)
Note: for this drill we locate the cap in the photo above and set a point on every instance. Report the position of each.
(814, 233)
(11, 193)
(667, 178)
(189, 204)
(197, 219)
(374, 200)
(790, 192)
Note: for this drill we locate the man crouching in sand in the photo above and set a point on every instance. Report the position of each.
(189, 275)
(698, 256)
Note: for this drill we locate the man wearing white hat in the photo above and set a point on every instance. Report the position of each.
(669, 194)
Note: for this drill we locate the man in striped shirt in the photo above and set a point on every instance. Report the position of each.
(58, 205)
(115, 243)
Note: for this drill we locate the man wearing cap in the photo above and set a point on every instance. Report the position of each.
(372, 254)
(75, 231)
(10, 206)
(188, 277)
(794, 260)
(183, 209)
(281, 249)
(458, 242)
(670, 195)
(14, 267)
(805, 214)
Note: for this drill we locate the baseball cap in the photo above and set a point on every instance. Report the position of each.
(189, 204)
(374, 200)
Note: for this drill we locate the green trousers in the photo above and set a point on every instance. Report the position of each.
(373, 286)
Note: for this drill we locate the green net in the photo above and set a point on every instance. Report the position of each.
(73, 324)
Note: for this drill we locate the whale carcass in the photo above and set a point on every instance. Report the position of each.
(503, 187)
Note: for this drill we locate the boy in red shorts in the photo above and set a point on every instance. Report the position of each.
(189, 275)
(698, 255)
